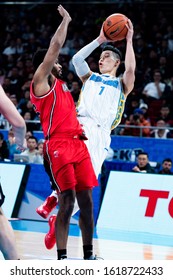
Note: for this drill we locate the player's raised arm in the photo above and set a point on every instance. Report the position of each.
(44, 69)
(130, 61)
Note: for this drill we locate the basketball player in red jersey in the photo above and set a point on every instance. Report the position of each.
(66, 157)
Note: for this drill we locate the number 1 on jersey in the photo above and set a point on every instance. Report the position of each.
(102, 89)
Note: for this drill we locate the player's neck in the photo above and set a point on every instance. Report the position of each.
(109, 74)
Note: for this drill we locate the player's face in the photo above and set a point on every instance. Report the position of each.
(57, 70)
(107, 62)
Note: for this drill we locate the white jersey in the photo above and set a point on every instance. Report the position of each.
(100, 109)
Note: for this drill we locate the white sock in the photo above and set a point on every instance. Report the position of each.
(54, 193)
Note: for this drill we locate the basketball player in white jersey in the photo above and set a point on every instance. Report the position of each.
(9, 111)
(101, 102)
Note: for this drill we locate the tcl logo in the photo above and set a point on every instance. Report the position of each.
(153, 197)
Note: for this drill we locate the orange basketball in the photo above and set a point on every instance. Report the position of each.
(115, 28)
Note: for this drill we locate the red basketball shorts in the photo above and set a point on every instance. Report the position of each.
(70, 164)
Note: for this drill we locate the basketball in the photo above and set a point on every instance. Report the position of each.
(114, 27)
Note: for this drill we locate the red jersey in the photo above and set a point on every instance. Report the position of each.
(66, 157)
(57, 111)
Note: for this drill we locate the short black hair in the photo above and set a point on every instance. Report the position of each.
(34, 138)
(113, 49)
(167, 159)
(143, 153)
(38, 58)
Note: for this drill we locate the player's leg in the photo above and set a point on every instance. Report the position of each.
(65, 183)
(52, 200)
(86, 221)
(7, 239)
(50, 203)
(50, 238)
(96, 146)
(86, 179)
(66, 204)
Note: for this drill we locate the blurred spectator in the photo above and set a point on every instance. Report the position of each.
(28, 134)
(152, 60)
(65, 50)
(162, 132)
(141, 52)
(169, 98)
(143, 164)
(144, 108)
(155, 89)
(166, 167)
(26, 85)
(22, 105)
(2, 122)
(31, 148)
(138, 120)
(75, 91)
(164, 50)
(131, 104)
(20, 67)
(38, 158)
(31, 125)
(28, 113)
(70, 78)
(16, 82)
(7, 85)
(13, 99)
(170, 82)
(12, 146)
(163, 67)
(9, 62)
(10, 49)
(29, 108)
(28, 68)
(169, 37)
(165, 114)
(4, 151)
(19, 46)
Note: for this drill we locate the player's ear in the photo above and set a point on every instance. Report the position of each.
(117, 62)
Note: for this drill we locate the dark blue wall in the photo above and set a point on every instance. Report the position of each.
(157, 149)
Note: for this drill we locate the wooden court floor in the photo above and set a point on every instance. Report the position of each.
(121, 246)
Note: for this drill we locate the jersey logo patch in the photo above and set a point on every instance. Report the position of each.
(64, 87)
(55, 153)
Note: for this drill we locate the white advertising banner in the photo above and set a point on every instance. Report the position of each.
(13, 178)
(138, 202)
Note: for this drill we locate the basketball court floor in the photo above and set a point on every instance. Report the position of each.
(108, 244)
